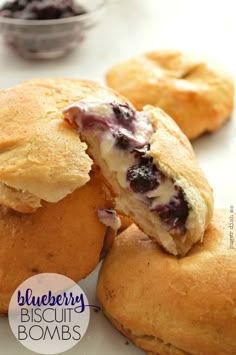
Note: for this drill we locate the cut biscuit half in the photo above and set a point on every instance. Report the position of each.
(150, 167)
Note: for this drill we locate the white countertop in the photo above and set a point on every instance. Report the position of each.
(130, 27)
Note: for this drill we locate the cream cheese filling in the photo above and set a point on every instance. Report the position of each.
(163, 193)
(117, 160)
(134, 129)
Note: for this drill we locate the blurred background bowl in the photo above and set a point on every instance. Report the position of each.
(48, 39)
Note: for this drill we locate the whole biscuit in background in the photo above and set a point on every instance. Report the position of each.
(172, 306)
(64, 237)
(197, 93)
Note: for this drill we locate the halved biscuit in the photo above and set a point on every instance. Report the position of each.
(150, 167)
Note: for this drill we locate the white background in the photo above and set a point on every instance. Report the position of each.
(129, 27)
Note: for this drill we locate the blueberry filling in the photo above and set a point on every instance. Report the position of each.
(95, 122)
(99, 115)
(41, 9)
(118, 119)
(144, 176)
(122, 141)
(124, 114)
(124, 135)
(175, 213)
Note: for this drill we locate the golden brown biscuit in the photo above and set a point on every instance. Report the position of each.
(151, 169)
(65, 237)
(197, 94)
(41, 158)
(168, 305)
(125, 223)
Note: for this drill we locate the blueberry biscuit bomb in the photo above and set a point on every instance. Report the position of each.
(151, 169)
(53, 208)
(172, 306)
(198, 94)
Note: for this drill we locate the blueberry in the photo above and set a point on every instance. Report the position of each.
(124, 114)
(174, 213)
(144, 176)
(122, 141)
(41, 9)
(46, 10)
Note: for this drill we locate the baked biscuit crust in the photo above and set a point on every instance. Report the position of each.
(64, 237)
(168, 305)
(173, 153)
(41, 158)
(198, 94)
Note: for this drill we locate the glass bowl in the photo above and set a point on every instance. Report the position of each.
(48, 39)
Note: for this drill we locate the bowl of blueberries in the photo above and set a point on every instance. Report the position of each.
(47, 29)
